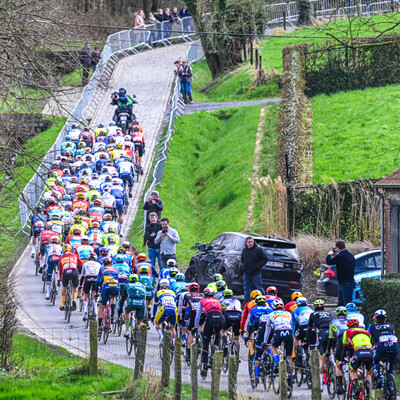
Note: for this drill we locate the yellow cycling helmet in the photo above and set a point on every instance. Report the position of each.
(254, 294)
(66, 248)
(296, 295)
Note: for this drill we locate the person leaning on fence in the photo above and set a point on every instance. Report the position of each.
(186, 22)
(168, 23)
(95, 58)
(152, 25)
(185, 77)
(85, 59)
(159, 16)
(139, 24)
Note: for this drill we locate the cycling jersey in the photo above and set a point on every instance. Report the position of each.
(207, 305)
(258, 315)
(54, 209)
(67, 262)
(107, 273)
(247, 308)
(166, 300)
(37, 223)
(136, 295)
(300, 317)
(319, 321)
(95, 236)
(191, 301)
(218, 294)
(291, 306)
(91, 269)
(45, 237)
(104, 239)
(164, 274)
(178, 287)
(382, 332)
(84, 251)
(149, 284)
(124, 271)
(357, 338)
(271, 299)
(74, 241)
(52, 253)
(106, 225)
(277, 320)
(79, 226)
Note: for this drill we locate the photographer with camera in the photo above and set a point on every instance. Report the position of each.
(167, 237)
(153, 205)
(345, 264)
(124, 102)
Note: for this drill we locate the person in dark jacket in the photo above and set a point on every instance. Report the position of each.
(345, 264)
(183, 14)
(95, 58)
(85, 59)
(185, 76)
(253, 259)
(153, 204)
(150, 234)
(159, 16)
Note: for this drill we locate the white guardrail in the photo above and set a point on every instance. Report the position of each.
(119, 45)
(280, 13)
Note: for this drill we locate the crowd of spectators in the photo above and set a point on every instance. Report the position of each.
(89, 60)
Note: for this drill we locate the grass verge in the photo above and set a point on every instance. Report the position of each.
(74, 78)
(358, 137)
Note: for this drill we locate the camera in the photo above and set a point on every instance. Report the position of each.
(334, 251)
(164, 231)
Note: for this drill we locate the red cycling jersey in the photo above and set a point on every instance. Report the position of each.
(209, 304)
(291, 306)
(247, 308)
(45, 236)
(67, 261)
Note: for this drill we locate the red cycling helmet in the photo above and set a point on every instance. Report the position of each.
(272, 289)
(193, 287)
(208, 292)
(352, 323)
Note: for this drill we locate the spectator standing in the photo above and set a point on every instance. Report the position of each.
(345, 264)
(253, 259)
(85, 59)
(152, 24)
(175, 16)
(159, 16)
(150, 234)
(185, 77)
(168, 23)
(167, 238)
(139, 24)
(95, 58)
(153, 205)
(184, 13)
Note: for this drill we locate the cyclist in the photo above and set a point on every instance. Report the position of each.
(385, 341)
(279, 321)
(247, 308)
(108, 280)
(214, 322)
(68, 270)
(258, 320)
(90, 270)
(353, 314)
(111, 246)
(52, 254)
(124, 270)
(37, 225)
(83, 251)
(165, 272)
(149, 283)
(179, 285)
(75, 239)
(357, 342)
(232, 311)
(215, 278)
(300, 318)
(272, 295)
(221, 287)
(291, 306)
(191, 301)
(44, 240)
(165, 298)
(78, 225)
(135, 293)
(319, 321)
(111, 233)
(127, 172)
(95, 235)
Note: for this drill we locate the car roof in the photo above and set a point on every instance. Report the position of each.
(366, 253)
(257, 236)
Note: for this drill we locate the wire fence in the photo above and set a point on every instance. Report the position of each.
(195, 54)
(282, 13)
(118, 45)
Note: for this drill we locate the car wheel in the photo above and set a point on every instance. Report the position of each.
(191, 274)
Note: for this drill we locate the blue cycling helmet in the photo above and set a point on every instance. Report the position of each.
(100, 126)
(67, 138)
(112, 124)
(380, 315)
(180, 277)
(123, 100)
(119, 258)
(122, 91)
(351, 307)
(301, 301)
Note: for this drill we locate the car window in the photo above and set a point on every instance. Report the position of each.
(229, 242)
(378, 261)
(239, 243)
(217, 242)
(369, 262)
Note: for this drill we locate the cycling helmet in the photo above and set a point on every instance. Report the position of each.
(38, 209)
(136, 129)
(119, 146)
(341, 311)
(67, 138)
(126, 244)
(107, 217)
(81, 145)
(133, 278)
(351, 307)
(227, 293)
(221, 285)
(144, 269)
(180, 277)
(84, 239)
(111, 240)
(97, 202)
(103, 251)
(141, 257)
(82, 212)
(78, 220)
(173, 272)
(352, 323)
(80, 195)
(261, 300)
(380, 315)
(171, 263)
(208, 292)
(107, 260)
(100, 126)
(66, 248)
(76, 231)
(254, 294)
(301, 301)
(296, 295)
(319, 304)
(277, 304)
(93, 256)
(54, 239)
(112, 229)
(112, 124)
(127, 138)
(164, 284)
(55, 217)
(193, 287)
(74, 179)
(122, 91)
(121, 250)
(119, 259)
(272, 290)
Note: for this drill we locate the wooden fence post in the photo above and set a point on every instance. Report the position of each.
(232, 378)
(216, 374)
(193, 371)
(376, 394)
(140, 352)
(93, 338)
(284, 20)
(283, 380)
(256, 58)
(166, 359)
(315, 378)
(178, 369)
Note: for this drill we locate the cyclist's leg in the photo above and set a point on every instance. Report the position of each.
(128, 309)
(394, 348)
(75, 284)
(160, 317)
(173, 320)
(50, 268)
(258, 350)
(64, 282)
(103, 299)
(207, 332)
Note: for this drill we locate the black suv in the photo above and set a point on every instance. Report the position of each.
(222, 255)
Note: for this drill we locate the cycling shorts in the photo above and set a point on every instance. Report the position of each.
(43, 248)
(339, 348)
(70, 274)
(36, 232)
(323, 340)
(120, 208)
(167, 311)
(139, 147)
(301, 332)
(107, 291)
(361, 356)
(50, 268)
(259, 340)
(138, 305)
(283, 336)
(90, 283)
(149, 294)
(192, 317)
(232, 319)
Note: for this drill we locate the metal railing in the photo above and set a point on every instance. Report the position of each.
(195, 54)
(280, 13)
(118, 45)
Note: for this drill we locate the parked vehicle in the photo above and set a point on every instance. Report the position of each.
(368, 265)
(222, 255)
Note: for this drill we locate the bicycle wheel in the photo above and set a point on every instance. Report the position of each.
(307, 378)
(390, 389)
(251, 371)
(80, 304)
(106, 329)
(235, 352)
(44, 277)
(53, 292)
(199, 344)
(366, 390)
(225, 358)
(331, 380)
(290, 379)
(37, 265)
(265, 370)
(275, 382)
(120, 323)
(129, 344)
(67, 305)
(298, 375)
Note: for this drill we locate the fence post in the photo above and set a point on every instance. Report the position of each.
(93, 339)
(216, 374)
(178, 369)
(376, 394)
(232, 378)
(284, 20)
(315, 378)
(256, 58)
(166, 359)
(283, 380)
(193, 371)
(140, 352)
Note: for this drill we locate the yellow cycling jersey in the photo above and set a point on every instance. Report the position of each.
(82, 227)
(356, 338)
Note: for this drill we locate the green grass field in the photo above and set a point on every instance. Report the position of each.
(356, 134)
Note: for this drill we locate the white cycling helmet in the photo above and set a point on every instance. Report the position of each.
(171, 263)
(164, 284)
